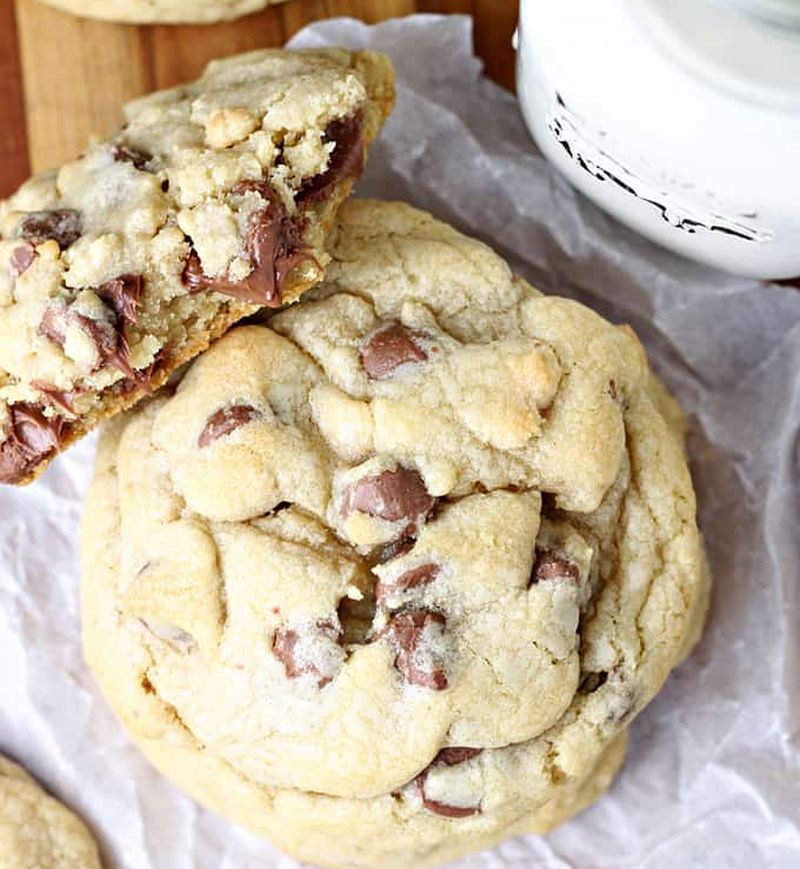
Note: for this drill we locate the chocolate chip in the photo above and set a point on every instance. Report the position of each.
(456, 755)
(592, 681)
(417, 576)
(225, 421)
(145, 376)
(31, 437)
(126, 154)
(123, 294)
(549, 566)
(447, 757)
(53, 325)
(110, 343)
(346, 160)
(22, 258)
(311, 660)
(391, 495)
(64, 225)
(393, 550)
(409, 634)
(275, 246)
(60, 398)
(390, 347)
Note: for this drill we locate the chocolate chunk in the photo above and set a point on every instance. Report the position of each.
(60, 398)
(110, 342)
(417, 576)
(31, 437)
(346, 160)
(394, 550)
(53, 325)
(275, 246)
(22, 258)
(64, 225)
(144, 375)
(296, 662)
(225, 421)
(409, 633)
(447, 757)
(549, 566)
(123, 294)
(444, 809)
(112, 346)
(126, 154)
(391, 495)
(390, 347)
(456, 755)
(592, 681)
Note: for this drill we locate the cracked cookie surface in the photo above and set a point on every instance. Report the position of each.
(162, 11)
(213, 201)
(37, 831)
(386, 578)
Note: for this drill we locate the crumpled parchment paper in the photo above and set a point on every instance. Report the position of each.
(713, 773)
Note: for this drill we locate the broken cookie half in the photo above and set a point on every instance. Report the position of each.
(213, 201)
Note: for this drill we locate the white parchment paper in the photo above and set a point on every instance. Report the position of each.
(713, 774)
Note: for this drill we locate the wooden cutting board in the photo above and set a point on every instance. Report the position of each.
(64, 79)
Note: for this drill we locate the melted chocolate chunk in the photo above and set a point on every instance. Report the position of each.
(447, 757)
(123, 295)
(125, 154)
(64, 225)
(417, 576)
(407, 634)
(275, 246)
(346, 160)
(225, 421)
(110, 342)
(549, 566)
(22, 258)
(285, 648)
(391, 495)
(58, 397)
(143, 375)
(390, 347)
(30, 439)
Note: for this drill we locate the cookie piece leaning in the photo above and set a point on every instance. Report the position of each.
(38, 831)
(162, 11)
(387, 578)
(214, 200)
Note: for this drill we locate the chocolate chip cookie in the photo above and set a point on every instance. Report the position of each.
(386, 578)
(213, 201)
(36, 831)
(162, 11)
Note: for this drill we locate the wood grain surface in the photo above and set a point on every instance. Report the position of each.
(64, 79)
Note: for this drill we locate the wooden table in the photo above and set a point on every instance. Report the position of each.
(64, 78)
